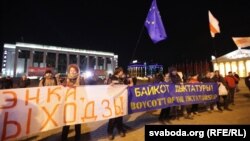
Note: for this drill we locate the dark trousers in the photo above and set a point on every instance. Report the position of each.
(65, 131)
(115, 122)
(231, 92)
(165, 113)
(194, 108)
(225, 101)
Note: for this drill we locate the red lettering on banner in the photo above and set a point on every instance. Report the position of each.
(28, 121)
(27, 98)
(13, 123)
(92, 116)
(13, 100)
(118, 109)
(49, 115)
(65, 112)
(70, 91)
(107, 108)
(53, 92)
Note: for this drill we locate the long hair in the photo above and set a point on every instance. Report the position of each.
(75, 77)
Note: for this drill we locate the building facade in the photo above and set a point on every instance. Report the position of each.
(20, 58)
(144, 69)
(237, 61)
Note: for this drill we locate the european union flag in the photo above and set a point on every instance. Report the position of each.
(154, 24)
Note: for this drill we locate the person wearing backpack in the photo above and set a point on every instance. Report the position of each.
(48, 79)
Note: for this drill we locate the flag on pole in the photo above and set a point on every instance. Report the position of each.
(154, 24)
(213, 24)
(242, 42)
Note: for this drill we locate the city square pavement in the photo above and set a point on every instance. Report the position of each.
(96, 131)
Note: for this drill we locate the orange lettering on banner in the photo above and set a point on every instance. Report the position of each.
(65, 112)
(13, 123)
(70, 91)
(92, 116)
(118, 109)
(53, 92)
(14, 100)
(27, 98)
(107, 108)
(28, 121)
(49, 116)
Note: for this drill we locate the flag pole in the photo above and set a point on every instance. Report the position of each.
(137, 42)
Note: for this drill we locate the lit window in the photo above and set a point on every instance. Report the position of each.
(248, 66)
(242, 71)
(216, 67)
(228, 67)
(222, 69)
(234, 67)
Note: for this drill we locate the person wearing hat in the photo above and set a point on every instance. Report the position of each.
(48, 79)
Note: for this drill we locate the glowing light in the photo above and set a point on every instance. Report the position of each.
(216, 67)
(56, 48)
(234, 67)
(242, 70)
(9, 46)
(228, 67)
(240, 53)
(88, 74)
(134, 61)
(222, 69)
(213, 57)
(32, 77)
(248, 66)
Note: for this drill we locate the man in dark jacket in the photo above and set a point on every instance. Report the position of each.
(24, 82)
(7, 83)
(176, 79)
(247, 81)
(237, 82)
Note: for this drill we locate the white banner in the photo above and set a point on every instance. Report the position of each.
(32, 110)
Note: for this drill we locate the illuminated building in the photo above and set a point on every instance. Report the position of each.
(142, 69)
(20, 58)
(237, 61)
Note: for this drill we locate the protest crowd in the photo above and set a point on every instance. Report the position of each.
(227, 88)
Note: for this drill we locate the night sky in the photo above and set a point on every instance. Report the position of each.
(115, 25)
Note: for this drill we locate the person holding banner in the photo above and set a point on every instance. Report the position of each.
(48, 79)
(208, 79)
(176, 79)
(116, 79)
(195, 107)
(165, 112)
(72, 80)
